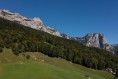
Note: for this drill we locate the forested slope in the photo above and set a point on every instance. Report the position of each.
(24, 39)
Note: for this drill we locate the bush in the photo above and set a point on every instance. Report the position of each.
(1, 49)
(27, 56)
(16, 51)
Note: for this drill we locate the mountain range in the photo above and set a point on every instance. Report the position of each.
(35, 23)
(21, 39)
(92, 39)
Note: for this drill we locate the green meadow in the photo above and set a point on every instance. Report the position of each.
(40, 66)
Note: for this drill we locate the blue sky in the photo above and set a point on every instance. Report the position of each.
(72, 17)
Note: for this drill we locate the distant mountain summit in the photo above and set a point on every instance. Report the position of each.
(35, 23)
(95, 40)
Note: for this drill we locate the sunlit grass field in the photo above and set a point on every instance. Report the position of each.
(40, 66)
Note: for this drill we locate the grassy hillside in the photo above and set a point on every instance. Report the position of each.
(24, 39)
(40, 66)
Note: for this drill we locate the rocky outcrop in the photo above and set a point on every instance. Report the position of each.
(115, 45)
(35, 23)
(65, 36)
(95, 40)
(115, 48)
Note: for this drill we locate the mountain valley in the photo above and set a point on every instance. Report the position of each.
(27, 44)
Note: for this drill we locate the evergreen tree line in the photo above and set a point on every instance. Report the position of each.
(24, 39)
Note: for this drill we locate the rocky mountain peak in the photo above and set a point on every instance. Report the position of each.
(35, 23)
(96, 40)
(37, 19)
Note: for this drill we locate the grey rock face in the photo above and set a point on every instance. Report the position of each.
(96, 40)
(65, 36)
(115, 48)
(34, 23)
(115, 45)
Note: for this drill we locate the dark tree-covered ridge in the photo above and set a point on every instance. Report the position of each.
(24, 39)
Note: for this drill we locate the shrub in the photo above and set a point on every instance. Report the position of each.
(1, 49)
(27, 56)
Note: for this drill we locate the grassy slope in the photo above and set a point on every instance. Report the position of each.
(40, 66)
